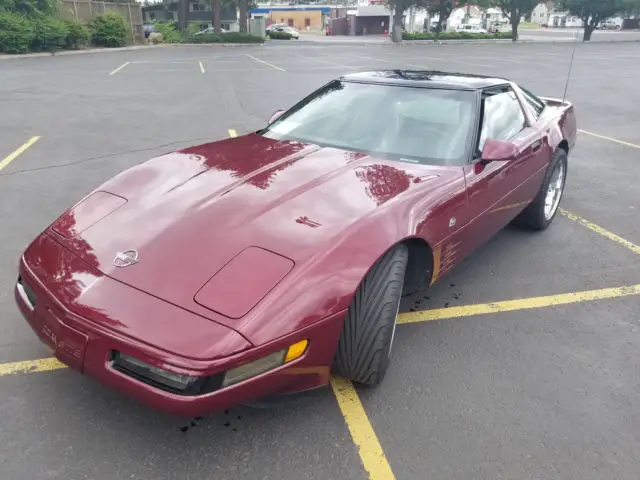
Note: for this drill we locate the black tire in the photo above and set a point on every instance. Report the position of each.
(533, 217)
(364, 347)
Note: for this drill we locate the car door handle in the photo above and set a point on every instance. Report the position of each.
(535, 146)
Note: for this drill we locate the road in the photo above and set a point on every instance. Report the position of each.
(543, 388)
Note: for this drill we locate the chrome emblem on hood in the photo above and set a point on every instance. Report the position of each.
(126, 258)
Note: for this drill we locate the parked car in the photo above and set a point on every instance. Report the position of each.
(148, 29)
(470, 29)
(273, 26)
(609, 25)
(287, 29)
(256, 265)
(211, 30)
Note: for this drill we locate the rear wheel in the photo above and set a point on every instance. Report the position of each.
(541, 212)
(364, 347)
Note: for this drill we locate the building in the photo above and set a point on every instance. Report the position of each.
(495, 17)
(303, 17)
(541, 12)
(199, 14)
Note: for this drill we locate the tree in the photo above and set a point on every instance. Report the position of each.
(592, 12)
(443, 9)
(514, 10)
(630, 8)
(400, 6)
(243, 7)
(215, 11)
(29, 7)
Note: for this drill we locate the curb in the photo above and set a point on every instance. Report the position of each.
(215, 45)
(124, 49)
(337, 42)
(464, 42)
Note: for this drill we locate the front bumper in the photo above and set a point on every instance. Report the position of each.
(87, 345)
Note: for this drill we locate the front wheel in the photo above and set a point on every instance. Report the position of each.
(364, 347)
(541, 212)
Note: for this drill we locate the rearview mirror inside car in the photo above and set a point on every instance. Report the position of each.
(498, 151)
(275, 116)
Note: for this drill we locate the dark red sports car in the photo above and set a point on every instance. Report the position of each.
(253, 266)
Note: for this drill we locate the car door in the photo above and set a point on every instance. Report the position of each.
(498, 191)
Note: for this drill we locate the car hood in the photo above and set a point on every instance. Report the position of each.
(188, 213)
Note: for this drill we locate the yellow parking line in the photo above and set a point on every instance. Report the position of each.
(362, 433)
(605, 233)
(265, 62)
(201, 67)
(12, 156)
(232, 132)
(31, 366)
(521, 304)
(119, 68)
(610, 139)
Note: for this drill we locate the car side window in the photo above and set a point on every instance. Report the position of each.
(502, 116)
(533, 103)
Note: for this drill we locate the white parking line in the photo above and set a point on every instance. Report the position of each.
(265, 62)
(119, 68)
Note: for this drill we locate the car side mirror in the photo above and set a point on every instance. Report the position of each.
(498, 151)
(276, 115)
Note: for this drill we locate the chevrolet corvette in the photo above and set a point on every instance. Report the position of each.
(260, 265)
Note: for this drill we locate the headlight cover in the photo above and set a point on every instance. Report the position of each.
(264, 364)
(87, 212)
(137, 368)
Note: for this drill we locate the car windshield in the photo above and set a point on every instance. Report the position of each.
(419, 125)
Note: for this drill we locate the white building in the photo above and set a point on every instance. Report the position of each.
(471, 15)
(540, 14)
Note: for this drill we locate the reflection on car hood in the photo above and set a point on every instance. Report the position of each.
(190, 212)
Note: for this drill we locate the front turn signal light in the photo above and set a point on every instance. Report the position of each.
(296, 350)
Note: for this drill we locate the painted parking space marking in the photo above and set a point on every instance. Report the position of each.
(201, 67)
(264, 62)
(364, 436)
(517, 305)
(232, 132)
(602, 231)
(610, 139)
(31, 366)
(113, 72)
(19, 151)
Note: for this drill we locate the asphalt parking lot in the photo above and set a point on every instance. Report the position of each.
(480, 386)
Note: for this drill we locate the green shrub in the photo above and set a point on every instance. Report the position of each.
(204, 38)
(169, 31)
(455, 36)
(275, 35)
(193, 28)
(109, 30)
(229, 37)
(78, 34)
(49, 33)
(16, 33)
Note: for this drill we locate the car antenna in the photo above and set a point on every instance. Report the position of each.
(573, 53)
